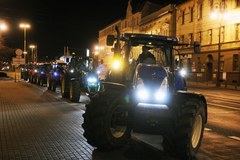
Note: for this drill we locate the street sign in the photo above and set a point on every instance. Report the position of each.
(18, 52)
(18, 61)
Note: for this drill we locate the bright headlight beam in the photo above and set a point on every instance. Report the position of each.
(116, 64)
(160, 95)
(92, 80)
(143, 94)
(183, 72)
(72, 70)
(148, 105)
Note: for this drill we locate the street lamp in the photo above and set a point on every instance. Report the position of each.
(3, 26)
(33, 55)
(220, 14)
(25, 26)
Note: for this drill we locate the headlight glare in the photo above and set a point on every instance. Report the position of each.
(142, 94)
(72, 70)
(92, 80)
(183, 72)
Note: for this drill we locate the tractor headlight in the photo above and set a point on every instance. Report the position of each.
(98, 71)
(92, 79)
(142, 93)
(35, 70)
(55, 74)
(161, 94)
(183, 72)
(116, 64)
(71, 70)
(153, 95)
(42, 72)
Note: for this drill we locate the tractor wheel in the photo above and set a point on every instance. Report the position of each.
(31, 79)
(105, 123)
(75, 91)
(53, 86)
(41, 82)
(186, 135)
(65, 87)
(38, 80)
(49, 83)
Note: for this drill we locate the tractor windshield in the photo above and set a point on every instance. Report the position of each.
(159, 46)
(162, 54)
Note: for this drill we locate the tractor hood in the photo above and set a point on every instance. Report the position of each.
(151, 83)
(151, 75)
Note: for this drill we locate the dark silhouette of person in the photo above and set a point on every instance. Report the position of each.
(146, 56)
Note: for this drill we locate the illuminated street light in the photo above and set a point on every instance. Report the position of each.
(219, 15)
(25, 26)
(33, 55)
(3, 26)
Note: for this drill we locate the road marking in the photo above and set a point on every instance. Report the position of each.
(235, 137)
(223, 106)
(207, 129)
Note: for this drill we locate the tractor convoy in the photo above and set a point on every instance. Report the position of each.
(72, 78)
(134, 97)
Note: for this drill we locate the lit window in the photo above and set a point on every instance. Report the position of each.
(183, 17)
(237, 31)
(182, 38)
(200, 11)
(221, 62)
(235, 62)
(210, 36)
(191, 14)
(222, 33)
(200, 37)
(190, 38)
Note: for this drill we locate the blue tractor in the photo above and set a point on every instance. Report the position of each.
(145, 98)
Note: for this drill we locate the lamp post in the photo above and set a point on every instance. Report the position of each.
(220, 14)
(3, 27)
(219, 57)
(24, 26)
(33, 55)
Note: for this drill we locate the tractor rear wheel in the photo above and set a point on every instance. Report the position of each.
(75, 91)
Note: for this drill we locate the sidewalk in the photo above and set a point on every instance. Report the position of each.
(192, 84)
(36, 124)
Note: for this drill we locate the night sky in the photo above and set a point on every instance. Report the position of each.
(55, 24)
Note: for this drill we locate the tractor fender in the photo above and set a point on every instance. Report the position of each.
(182, 96)
(114, 90)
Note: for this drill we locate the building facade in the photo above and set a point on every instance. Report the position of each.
(213, 23)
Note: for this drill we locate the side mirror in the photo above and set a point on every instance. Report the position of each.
(110, 40)
(196, 47)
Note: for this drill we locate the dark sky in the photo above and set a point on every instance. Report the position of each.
(55, 23)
